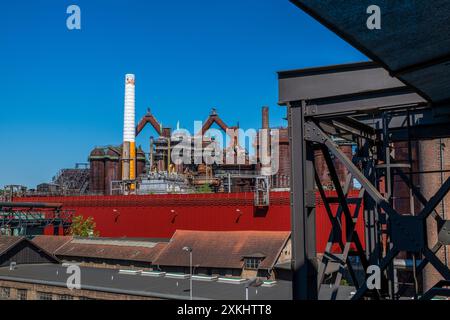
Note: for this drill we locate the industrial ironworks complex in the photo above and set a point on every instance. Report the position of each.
(359, 192)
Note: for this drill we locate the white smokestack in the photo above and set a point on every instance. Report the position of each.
(129, 112)
(129, 149)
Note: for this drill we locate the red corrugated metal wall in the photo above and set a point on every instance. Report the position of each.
(159, 216)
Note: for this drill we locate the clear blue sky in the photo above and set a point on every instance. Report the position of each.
(62, 91)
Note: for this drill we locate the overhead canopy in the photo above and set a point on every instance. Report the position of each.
(413, 43)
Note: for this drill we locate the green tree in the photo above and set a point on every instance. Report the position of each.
(206, 188)
(83, 227)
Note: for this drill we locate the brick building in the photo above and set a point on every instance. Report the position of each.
(243, 254)
(104, 252)
(124, 268)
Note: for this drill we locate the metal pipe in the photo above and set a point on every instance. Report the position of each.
(189, 249)
(168, 156)
(151, 153)
(30, 205)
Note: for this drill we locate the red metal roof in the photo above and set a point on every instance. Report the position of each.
(223, 249)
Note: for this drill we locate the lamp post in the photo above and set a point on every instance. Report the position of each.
(254, 282)
(189, 249)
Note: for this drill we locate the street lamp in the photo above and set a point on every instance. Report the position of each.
(189, 249)
(255, 282)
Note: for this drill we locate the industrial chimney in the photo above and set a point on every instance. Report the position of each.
(264, 143)
(129, 148)
(265, 117)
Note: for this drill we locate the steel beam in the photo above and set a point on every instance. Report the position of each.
(317, 135)
(349, 223)
(338, 80)
(368, 103)
(349, 102)
(304, 266)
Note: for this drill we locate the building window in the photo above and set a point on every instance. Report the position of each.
(252, 263)
(65, 297)
(5, 292)
(45, 296)
(22, 294)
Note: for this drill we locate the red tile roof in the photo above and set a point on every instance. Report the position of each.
(223, 249)
(51, 243)
(116, 249)
(7, 242)
(103, 251)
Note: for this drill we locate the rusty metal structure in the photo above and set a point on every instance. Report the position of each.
(157, 167)
(33, 218)
(395, 111)
(73, 180)
(105, 167)
(149, 118)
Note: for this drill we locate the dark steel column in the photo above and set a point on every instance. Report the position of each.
(304, 284)
(371, 219)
